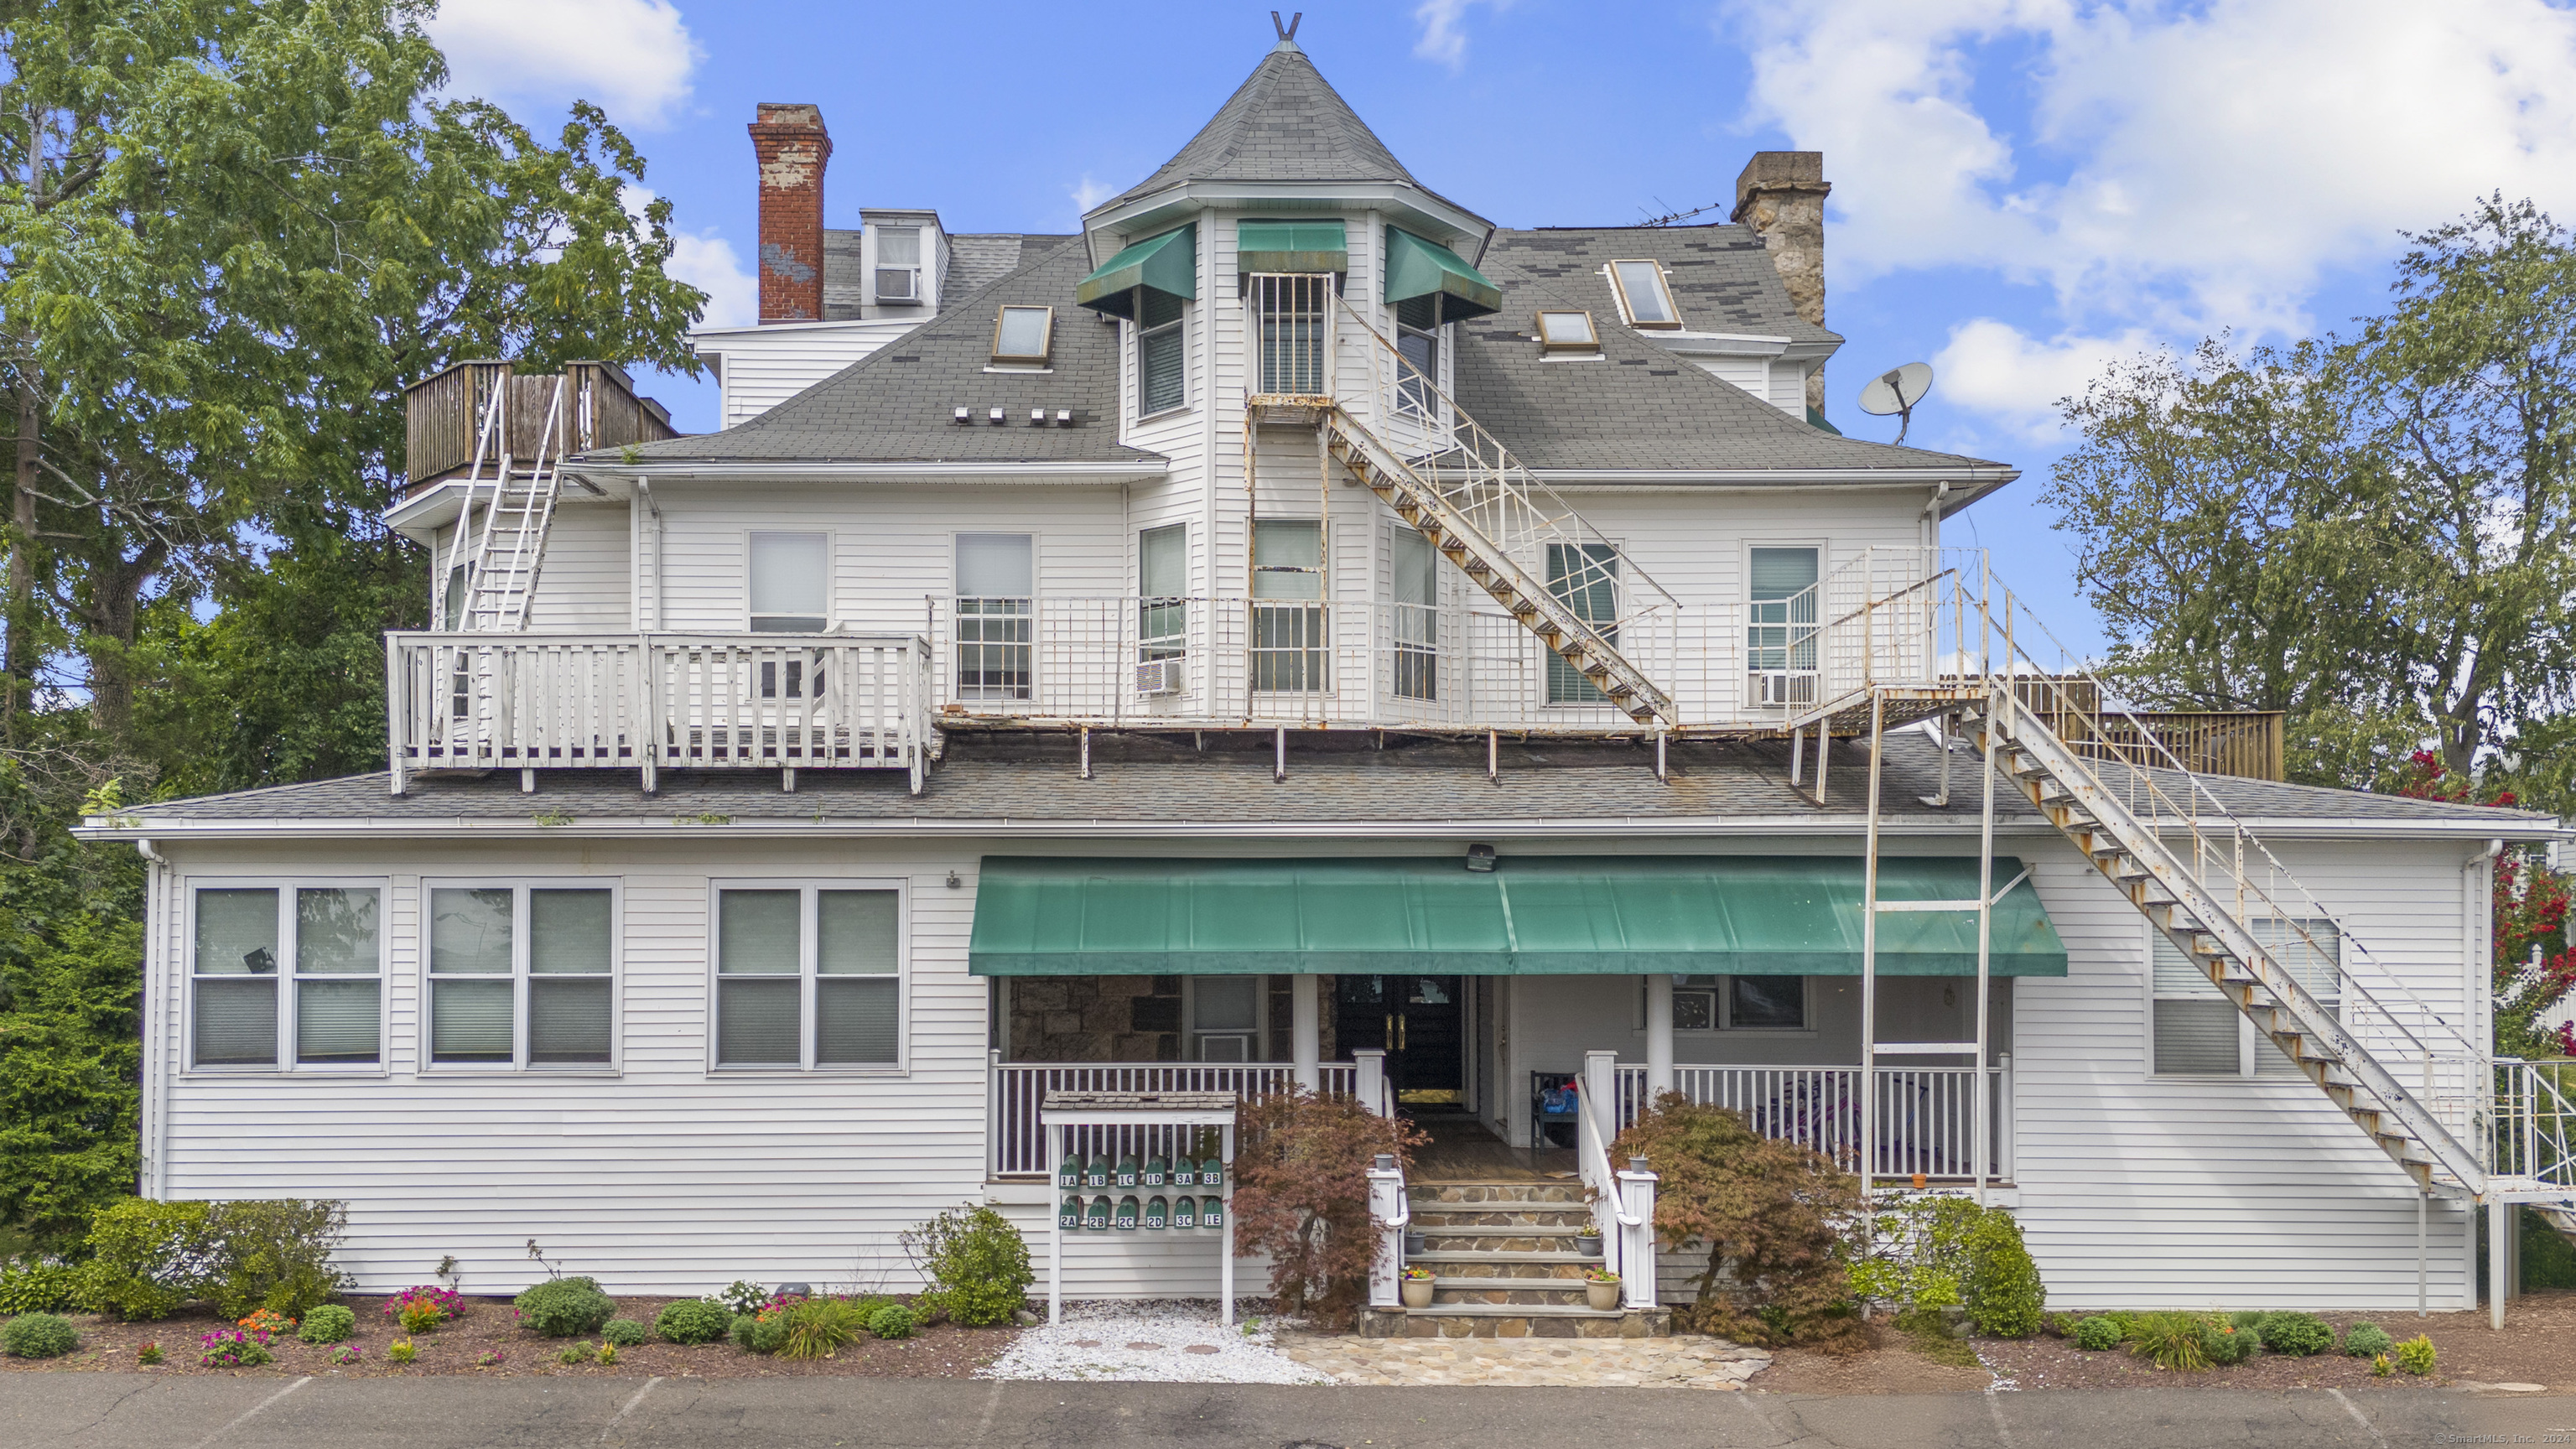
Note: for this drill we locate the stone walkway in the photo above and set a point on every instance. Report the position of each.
(1687, 1362)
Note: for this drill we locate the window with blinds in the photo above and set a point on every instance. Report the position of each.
(287, 975)
(1162, 353)
(808, 977)
(2198, 1032)
(522, 976)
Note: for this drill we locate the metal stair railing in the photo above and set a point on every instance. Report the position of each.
(515, 525)
(2211, 901)
(1492, 518)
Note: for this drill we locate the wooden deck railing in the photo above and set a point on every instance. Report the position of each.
(443, 412)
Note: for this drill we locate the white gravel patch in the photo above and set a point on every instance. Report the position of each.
(1168, 1342)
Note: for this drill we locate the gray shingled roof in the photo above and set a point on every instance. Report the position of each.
(1284, 123)
(898, 404)
(1135, 779)
(1642, 406)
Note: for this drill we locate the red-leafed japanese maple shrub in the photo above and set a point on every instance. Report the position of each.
(1771, 1212)
(1301, 1195)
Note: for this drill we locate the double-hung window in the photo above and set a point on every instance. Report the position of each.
(287, 976)
(1287, 609)
(1417, 384)
(522, 976)
(2197, 1032)
(1585, 578)
(1416, 567)
(1163, 606)
(898, 265)
(1162, 353)
(1780, 642)
(808, 977)
(790, 583)
(996, 600)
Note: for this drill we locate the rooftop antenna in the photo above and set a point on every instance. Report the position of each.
(1897, 391)
(1287, 32)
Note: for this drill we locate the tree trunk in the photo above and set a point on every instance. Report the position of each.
(115, 603)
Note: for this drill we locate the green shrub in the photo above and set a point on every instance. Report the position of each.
(582, 1352)
(38, 1335)
(2297, 1334)
(2252, 1318)
(275, 1253)
(693, 1320)
(2170, 1340)
(402, 1350)
(893, 1321)
(819, 1327)
(2367, 1340)
(741, 1296)
(2416, 1355)
(2097, 1334)
(565, 1307)
(2227, 1345)
(147, 1258)
(1944, 1252)
(753, 1334)
(38, 1285)
(976, 1263)
(329, 1323)
(149, 1355)
(2003, 1293)
(622, 1332)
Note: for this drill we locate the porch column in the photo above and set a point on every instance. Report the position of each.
(1659, 1035)
(1306, 1030)
(2499, 1222)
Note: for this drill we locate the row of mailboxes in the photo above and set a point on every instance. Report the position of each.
(1154, 1171)
(1154, 1214)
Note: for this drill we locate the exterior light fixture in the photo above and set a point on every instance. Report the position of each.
(1480, 858)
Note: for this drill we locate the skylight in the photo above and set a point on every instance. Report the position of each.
(1023, 334)
(1567, 332)
(1643, 296)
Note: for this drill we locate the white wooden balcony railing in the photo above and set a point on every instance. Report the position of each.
(485, 701)
(1926, 1115)
(1017, 1140)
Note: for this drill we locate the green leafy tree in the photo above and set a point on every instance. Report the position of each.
(69, 1103)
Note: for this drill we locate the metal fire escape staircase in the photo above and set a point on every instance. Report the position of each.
(1489, 516)
(503, 548)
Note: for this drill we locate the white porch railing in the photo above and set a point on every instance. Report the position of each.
(483, 701)
(1926, 1115)
(1017, 1140)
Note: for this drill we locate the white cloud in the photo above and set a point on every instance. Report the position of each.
(707, 262)
(1088, 193)
(2183, 168)
(1444, 29)
(1997, 369)
(633, 57)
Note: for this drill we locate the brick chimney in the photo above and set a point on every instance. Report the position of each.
(1781, 196)
(792, 148)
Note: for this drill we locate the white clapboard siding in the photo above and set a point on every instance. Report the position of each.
(761, 367)
(586, 582)
(1788, 387)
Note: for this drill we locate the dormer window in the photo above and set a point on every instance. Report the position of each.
(898, 264)
(1022, 335)
(1567, 332)
(1643, 297)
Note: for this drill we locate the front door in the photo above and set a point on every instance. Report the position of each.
(1420, 1022)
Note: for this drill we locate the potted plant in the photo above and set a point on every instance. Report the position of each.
(1602, 1287)
(1588, 1242)
(1417, 1287)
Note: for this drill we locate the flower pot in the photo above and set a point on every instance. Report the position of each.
(1604, 1296)
(1588, 1244)
(1416, 1244)
(1417, 1292)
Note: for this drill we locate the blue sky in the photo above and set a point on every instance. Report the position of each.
(2024, 189)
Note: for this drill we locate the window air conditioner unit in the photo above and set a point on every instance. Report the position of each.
(1159, 677)
(1783, 688)
(898, 284)
(1227, 1048)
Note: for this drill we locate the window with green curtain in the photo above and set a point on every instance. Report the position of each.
(1585, 577)
(335, 936)
(235, 965)
(1783, 609)
(857, 999)
(570, 949)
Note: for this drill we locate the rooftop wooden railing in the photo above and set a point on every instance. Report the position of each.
(442, 414)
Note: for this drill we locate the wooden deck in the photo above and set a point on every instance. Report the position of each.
(1463, 1149)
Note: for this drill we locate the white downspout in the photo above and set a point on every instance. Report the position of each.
(155, 1025)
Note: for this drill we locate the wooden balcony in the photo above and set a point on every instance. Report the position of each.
(443, 413)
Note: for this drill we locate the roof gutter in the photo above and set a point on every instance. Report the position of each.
(832, 471)
(1992, 476)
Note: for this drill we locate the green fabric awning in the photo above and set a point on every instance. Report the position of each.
(1534, 916)
(1419, 269)
(1291, 246)
(1168, 263)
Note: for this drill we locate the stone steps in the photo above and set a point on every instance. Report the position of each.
(1505, 1265)
(1475, 1320)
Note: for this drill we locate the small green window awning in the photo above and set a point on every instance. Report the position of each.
(1419, 269)
(1168, 263)
(1291, 246)
(1534, 916)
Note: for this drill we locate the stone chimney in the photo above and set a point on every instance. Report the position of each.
(792, 148)
(1781, 196)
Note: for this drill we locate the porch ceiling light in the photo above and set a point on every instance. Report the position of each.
(1480, 857)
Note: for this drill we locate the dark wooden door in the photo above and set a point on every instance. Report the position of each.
(1420, 1022)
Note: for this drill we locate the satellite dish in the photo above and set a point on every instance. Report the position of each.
(1896, 391)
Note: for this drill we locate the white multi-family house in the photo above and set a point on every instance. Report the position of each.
(1294, 631)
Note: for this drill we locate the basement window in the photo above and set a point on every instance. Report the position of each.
(1023, 334)
(1643, 297)
(1567, 332)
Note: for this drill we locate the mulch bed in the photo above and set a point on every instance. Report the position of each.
(2532, 1349)
(489, 1325)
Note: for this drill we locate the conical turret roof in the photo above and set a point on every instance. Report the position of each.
(1284, 123)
